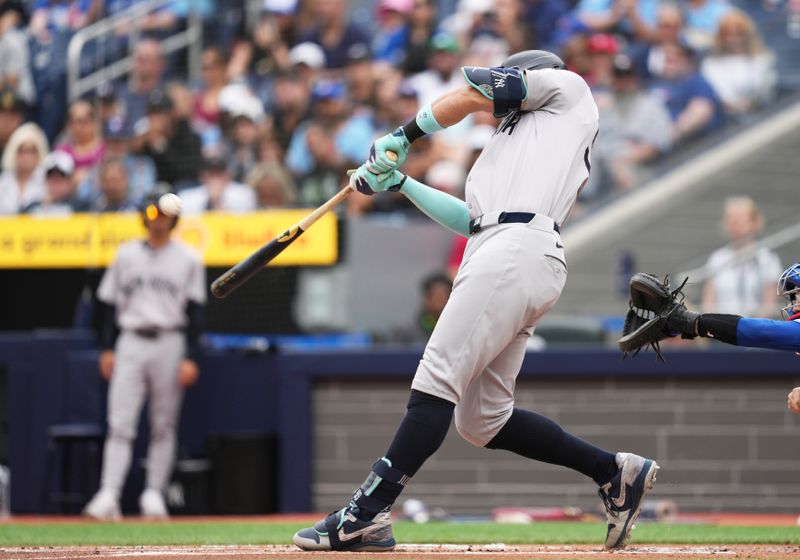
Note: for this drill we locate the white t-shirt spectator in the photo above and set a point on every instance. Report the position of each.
(739, 284)
(13, 199)
(739, 79)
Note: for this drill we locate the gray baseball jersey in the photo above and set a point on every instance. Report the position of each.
(150, 288)
(512, 274)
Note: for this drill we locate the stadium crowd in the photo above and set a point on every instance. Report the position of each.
(287, 101)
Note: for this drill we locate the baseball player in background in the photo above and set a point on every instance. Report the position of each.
(518, 193)
(152, 298)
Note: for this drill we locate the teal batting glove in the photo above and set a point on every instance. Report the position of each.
(396, 142)
(368, 183)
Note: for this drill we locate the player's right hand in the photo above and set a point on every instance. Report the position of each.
(396, 142)
(106, 364)
(368, 183)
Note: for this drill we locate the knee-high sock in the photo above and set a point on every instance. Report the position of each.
(420, 434)
(537, 437)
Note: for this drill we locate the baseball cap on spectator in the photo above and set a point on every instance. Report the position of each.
(58, 161)
(399, 6)
(623, 65)
(159, 102)
(250, 108)
(231, 95)
(309, 54)
(116, 128)
(10, 101)
(284, 7)
(445, 42)
(602, 43)
(328, 89)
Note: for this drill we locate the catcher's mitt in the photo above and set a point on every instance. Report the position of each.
(651, 304)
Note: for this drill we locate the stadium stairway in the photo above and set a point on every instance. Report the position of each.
(674, 221)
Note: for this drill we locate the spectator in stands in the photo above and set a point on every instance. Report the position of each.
(334, 31)
(84, 141)
(602, 48)
(739, 68)
(702, 20)
(635, 128)
(741, 277)
(443, 73)
(670, 26)
(391, 37)
(113, 185)
(329, 143)
(12, 115)
(543, 16)
(146, 79)
(421, 27)
(693, 105)
(213, 68)
(256, 59)
(15, 63)
(140, 170)
(242, 148)
(273, 185)
(169, 142)
(290, 107)
(307, 60)
(22, 180)
(506, 21)
(634, 18)
(361, 74)
(60, 196)
(435, 292)
(68, 16)
(218, 191)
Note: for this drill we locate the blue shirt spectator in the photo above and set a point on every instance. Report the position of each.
(335, 33)
(351, 136)
(691, 101)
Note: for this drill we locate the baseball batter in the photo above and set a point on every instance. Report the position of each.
(154, 292)
(518, 194)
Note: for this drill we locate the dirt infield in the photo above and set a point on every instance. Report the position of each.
(403, 552)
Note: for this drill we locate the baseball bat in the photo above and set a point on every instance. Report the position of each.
(243, 271)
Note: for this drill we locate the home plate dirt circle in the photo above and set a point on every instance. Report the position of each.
(439, 552)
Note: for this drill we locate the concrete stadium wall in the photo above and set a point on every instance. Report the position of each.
(723, 444)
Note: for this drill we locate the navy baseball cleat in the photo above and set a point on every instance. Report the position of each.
(343, 530)
(623, 496)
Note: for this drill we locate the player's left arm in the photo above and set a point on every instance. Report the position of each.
(739, 331)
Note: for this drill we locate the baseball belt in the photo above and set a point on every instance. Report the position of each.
(495, 218)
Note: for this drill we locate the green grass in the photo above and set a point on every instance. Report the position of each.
(188, 533)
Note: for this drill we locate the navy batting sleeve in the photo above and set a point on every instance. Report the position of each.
(195, 315)
(108, 325)
(764, 333)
